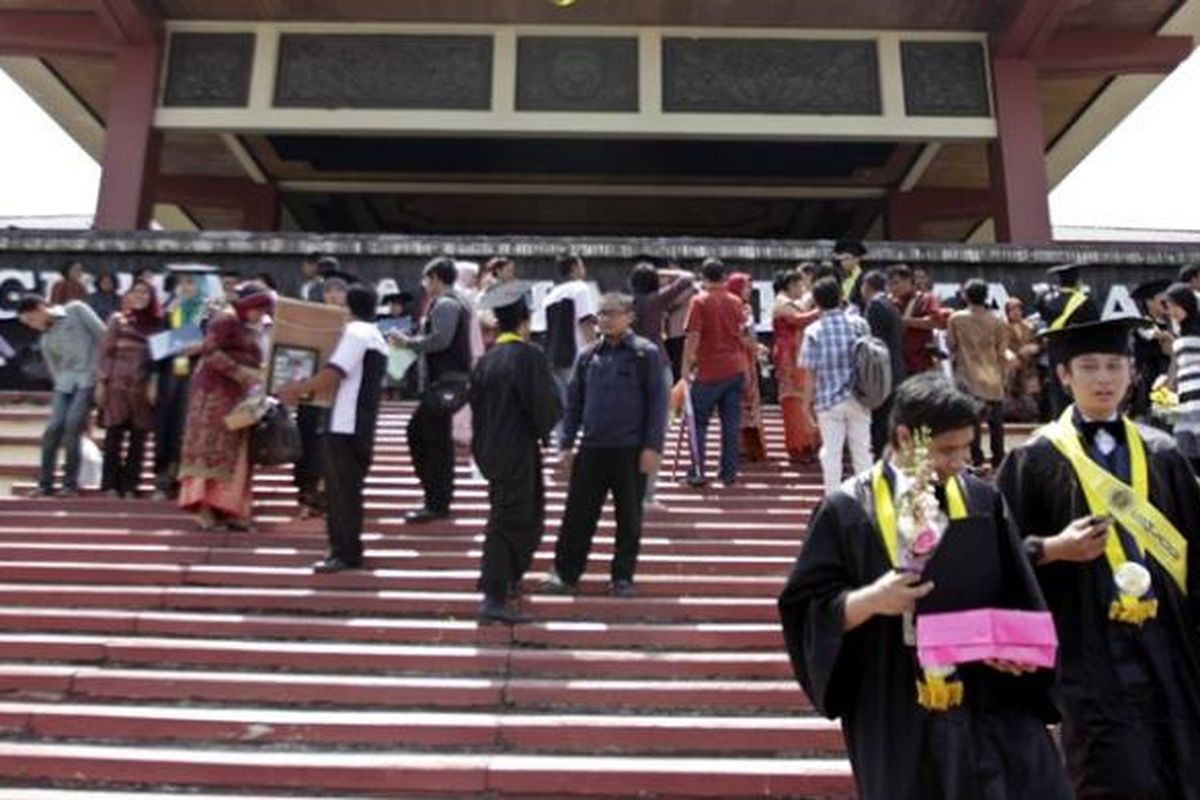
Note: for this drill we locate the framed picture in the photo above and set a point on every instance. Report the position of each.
(290, 364)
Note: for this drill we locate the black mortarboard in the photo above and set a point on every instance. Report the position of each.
(1147, 290)
(505, 294)
(1106, 337)
(1066, 273)
(849, 247)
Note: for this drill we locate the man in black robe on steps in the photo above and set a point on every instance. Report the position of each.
(1082, 492)
(514, 407)
(847, 609)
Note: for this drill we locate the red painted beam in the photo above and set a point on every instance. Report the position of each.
(936, 203)
(259, 203)
(42, 34)
(906, 211)
(1018, 157)
(131, 144)
(131, 21)
(1029, 27)
(1072, 55)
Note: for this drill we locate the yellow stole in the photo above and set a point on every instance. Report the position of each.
(1078, 298)
(1130, 506)
(934, 691)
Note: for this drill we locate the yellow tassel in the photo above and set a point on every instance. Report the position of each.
(1132, 610)
(935, 693)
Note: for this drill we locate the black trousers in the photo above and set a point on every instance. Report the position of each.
(123, 467)
(168, 431)
(596, 472)
(349, 460)
(431, 445)
(515, 526)
(307, 471)
(881, 426)
(994, 411)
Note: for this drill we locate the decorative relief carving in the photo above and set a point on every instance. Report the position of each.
(945, 79)
(381, 71)
(771, 76)
(209, 70)
(576, 73)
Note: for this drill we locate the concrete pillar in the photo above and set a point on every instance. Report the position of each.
(131, 146)
(1018, 157)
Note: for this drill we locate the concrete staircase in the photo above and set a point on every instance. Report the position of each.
(141, 657)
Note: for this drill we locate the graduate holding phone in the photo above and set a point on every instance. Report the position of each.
(1111, 513)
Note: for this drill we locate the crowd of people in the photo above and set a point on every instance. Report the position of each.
(1090, 520)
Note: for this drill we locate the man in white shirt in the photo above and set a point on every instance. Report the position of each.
(570, 316)
(356, 368)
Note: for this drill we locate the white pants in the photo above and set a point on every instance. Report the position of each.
(849, 422)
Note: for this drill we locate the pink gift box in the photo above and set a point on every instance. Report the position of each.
(959, 637)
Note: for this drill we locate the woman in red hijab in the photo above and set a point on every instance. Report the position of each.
(214, 467)
(126, 389)
(754, 440)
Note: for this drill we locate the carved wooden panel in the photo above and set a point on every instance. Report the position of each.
(381, 71)
(771, 76)
(577, 73)
(945, 79)
(209, 70)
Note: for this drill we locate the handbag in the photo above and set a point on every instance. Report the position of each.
(448, 393)
(275, 439)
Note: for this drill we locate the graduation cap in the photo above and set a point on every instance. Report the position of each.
(1146, 291)
(1106, 337)
(505, 294)
(849, 247)
(1067, 274)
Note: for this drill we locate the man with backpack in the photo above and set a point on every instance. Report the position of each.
(614, 404)
(828, 351)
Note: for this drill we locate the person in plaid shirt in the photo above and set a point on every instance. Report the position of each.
(828, 352)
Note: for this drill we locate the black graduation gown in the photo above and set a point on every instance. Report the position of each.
(1151, 362)
(514, 406)
(993, 746)
(1052, 303)
(1112, 749)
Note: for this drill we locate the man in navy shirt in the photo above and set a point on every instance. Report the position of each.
(613, 406)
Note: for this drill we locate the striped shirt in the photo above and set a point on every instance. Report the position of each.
(1187, 375)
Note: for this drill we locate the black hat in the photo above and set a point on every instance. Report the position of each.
(397, 297)
(1067, 274)
(1106, 337)
(1148, 290)
(849, 247)
(505, 294)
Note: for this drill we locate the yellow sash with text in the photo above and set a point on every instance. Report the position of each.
(1129, 505)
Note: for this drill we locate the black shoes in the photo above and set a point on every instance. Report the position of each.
(335, 564)
(556, 585)
(424, 515)
(622, 588)
(492, 612)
